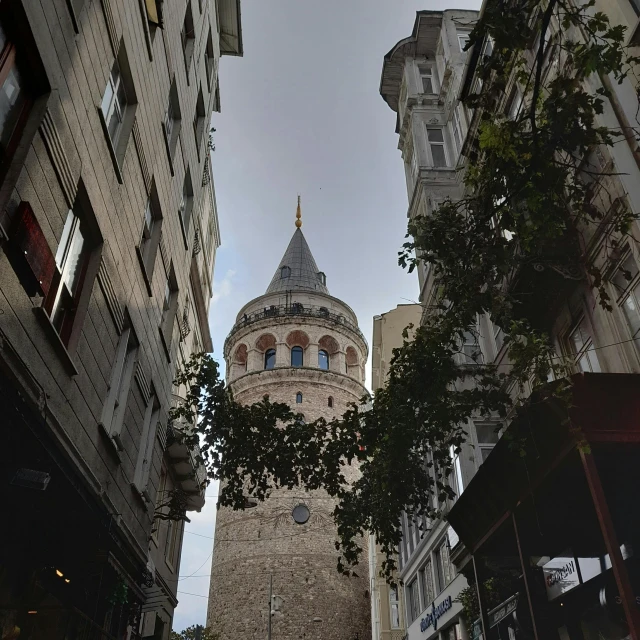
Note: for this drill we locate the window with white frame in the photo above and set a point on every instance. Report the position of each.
(171, 542)
(627, 286)
(394, 608)
(515, 103)
(498, 338)
(114, 103)
(426, 576)
(471, 352)
(463, 40)
(115, 405)
(445, 571)
(457, 131)
(147, 441)
(413, 599)
(579, 342)
(455, 476)
(151, 229)
(487, 435)
(435, 137)
(428, 82)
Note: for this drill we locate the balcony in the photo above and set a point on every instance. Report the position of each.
(294, 309)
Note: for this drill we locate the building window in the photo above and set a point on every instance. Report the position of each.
(114, 102)
(186, 206)
(151, 228)
(435, 136)
(209, 61)
(188, 37)
(172, 122)
(445, 571)
(285, 272)
(298, 398)
(323, 360)
(427, 79)
(322, 277)
(580, 345)
(498, 338)
(413, 599)
(171, 542)
(487, 435)
(627, 286)
(198, 122)
(147, 440)
(426, 576)
(270, 359)
(515, 104)
(115, 404)
(471, 351)
(297, 359)
(394, 608)
(330, 402)
(454, 632)
(463, 40)
(455, 476)
(169, 308)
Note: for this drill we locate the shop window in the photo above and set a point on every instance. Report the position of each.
(117, 109)
(323, 360)
(627, 285)
(579, 343)
(169, 308)
(188, 37)
(172, 122)
(185, 207)
(454, 632)
(298, 398)
(427, 79)
(147, 441)
(413, 600)
(150, 240)
(297, 358)
(198, 122)
(394, 608)
(435, 136)
(270, 359)
(112, 418)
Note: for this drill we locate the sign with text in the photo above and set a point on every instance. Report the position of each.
(560, 575)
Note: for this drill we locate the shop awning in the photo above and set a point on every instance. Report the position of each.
(605, 408)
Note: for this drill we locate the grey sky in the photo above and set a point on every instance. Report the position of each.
(301, 113)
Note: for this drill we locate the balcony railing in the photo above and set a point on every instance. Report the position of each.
(294, 309)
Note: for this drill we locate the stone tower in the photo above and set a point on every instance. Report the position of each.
(300, 346)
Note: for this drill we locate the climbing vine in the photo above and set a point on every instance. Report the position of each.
(528, 199)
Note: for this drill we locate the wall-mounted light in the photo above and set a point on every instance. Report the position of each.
(59, 573)
(32, 612)
(67, 580)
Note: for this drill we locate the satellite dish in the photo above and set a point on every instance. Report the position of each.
(301, 513)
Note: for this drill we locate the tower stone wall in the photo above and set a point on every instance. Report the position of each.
(264, 543)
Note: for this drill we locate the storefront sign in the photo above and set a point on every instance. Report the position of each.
(502, 611)
(476, 630)
(437, 611)
(560, 576)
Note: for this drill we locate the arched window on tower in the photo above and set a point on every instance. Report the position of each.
(296, 357)
(298, 398)
(285, 272)
(270, 359)
(330, 402)
(323, 360)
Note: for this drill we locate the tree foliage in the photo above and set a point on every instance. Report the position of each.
(191, 633)
(527, 201)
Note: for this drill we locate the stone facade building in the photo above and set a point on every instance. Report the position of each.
(300, 346)
(108, 235)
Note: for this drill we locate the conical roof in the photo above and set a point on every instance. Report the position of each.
(297, 270)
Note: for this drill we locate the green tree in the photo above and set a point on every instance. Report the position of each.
(191, 633)
(528, 202)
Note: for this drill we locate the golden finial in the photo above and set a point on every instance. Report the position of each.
(298, 215)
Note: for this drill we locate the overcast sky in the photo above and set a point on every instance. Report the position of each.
(301, 113)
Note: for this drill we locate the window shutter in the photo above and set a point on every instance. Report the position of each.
(27, 238)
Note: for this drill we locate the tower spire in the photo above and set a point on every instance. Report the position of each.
(298, 215)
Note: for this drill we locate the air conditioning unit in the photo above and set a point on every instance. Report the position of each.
(31, 479)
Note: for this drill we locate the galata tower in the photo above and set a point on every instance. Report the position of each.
(300, 346)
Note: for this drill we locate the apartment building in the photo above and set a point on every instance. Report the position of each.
(108, 235)
(545, 540)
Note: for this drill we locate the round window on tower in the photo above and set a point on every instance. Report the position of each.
(300, 513)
